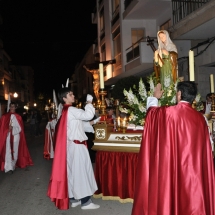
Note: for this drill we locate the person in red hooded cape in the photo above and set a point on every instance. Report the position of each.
(72, 178)
(175, 172)
(13, 146)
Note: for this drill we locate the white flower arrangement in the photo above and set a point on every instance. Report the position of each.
(135, 104)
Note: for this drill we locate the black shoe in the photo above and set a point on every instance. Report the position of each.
(10, 172)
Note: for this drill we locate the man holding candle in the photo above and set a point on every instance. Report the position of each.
(175, 165)
(72, 178)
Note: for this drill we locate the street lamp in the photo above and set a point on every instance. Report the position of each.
(46, 107)
(35, 104)
(15, 95)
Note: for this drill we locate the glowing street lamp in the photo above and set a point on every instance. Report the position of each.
(35, 104)
(15, 95)
(46, 108)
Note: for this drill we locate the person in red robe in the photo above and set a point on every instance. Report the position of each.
(175, 172)
(72, 178)
(13, 147)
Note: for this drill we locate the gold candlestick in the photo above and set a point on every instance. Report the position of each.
(103, 93)
(212, 106)
(213, 103)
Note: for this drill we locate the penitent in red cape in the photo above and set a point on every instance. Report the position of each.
(175, 172)
(24, 158)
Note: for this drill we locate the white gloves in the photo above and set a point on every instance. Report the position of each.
(96, 120)
(89, 98)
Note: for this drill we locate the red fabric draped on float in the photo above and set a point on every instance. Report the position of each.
(115, 174)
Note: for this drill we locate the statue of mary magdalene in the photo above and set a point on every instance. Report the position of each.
(165, 59)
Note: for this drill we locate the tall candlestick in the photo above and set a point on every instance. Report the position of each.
(191, 65)
(123, 123)
(212, 82)
(118, 121)
(55, 100)
(101, 72)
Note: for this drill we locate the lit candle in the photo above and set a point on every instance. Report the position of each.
(101, 72)
(191, 65)
(118, 121)
(124, 122)
(212, 82)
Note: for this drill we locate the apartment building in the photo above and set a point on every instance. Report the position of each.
(16, 81)
(23, 82)
(195, 20)
(124, 25)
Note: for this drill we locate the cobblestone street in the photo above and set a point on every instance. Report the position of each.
(24, 191)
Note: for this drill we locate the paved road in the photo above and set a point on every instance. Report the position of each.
(24, 191)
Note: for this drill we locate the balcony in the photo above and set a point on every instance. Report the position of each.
(133, 53)
(115, 16)
(145, 9)
(181, 9)
(193, 19)
(118, 64)
(139, 58)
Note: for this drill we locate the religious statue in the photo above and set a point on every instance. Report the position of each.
(96, 83)
(165, 59)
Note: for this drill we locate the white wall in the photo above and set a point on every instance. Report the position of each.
(149, 27)
(183, 47)
(203, 68)
(204, 80)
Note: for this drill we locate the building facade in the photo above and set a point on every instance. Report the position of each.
(16, 81)
(124, 25)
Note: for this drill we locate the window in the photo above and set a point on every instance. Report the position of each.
(136, 35)
(117, 47)
(115, 7)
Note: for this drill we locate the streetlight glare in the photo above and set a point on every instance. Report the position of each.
(15, 95)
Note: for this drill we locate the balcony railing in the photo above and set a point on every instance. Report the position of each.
(182, 8)
(118, 63)
(114, 20)
(133, 51)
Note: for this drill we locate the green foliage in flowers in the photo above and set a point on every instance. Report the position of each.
(169, 95)
(135, 104)
(124, 83)
(136, 98)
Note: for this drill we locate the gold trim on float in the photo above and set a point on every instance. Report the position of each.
(134, 138)
(115, 198)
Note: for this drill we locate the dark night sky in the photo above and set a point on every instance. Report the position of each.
(51, 36)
